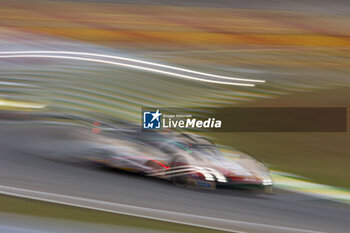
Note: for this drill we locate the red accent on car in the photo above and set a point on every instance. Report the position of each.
(159, 163)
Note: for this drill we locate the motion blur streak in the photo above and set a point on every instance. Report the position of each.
(137, 61)
(129, 66)
(75, 75)
(208, 173)
(17, 104)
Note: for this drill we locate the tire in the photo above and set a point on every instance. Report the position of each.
(181, 181)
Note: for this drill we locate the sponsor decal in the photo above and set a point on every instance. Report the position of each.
(203, 184)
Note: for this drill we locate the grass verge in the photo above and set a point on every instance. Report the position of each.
(25, 206)
(321, 157)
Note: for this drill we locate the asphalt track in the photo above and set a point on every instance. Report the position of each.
(44, 160)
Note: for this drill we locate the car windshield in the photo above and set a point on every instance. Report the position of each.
(209, 151)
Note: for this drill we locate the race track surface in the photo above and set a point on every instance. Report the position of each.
(42, 160)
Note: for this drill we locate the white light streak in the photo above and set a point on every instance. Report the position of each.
(129, 66)
(136, 61)
(14, 104)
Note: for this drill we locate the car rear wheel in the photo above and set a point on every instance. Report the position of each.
(179, 178)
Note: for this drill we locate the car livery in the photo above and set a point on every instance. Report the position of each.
(186, 159)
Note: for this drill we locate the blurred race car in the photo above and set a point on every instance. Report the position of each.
(183, 158)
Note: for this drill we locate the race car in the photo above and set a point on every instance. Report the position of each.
(186, 159)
